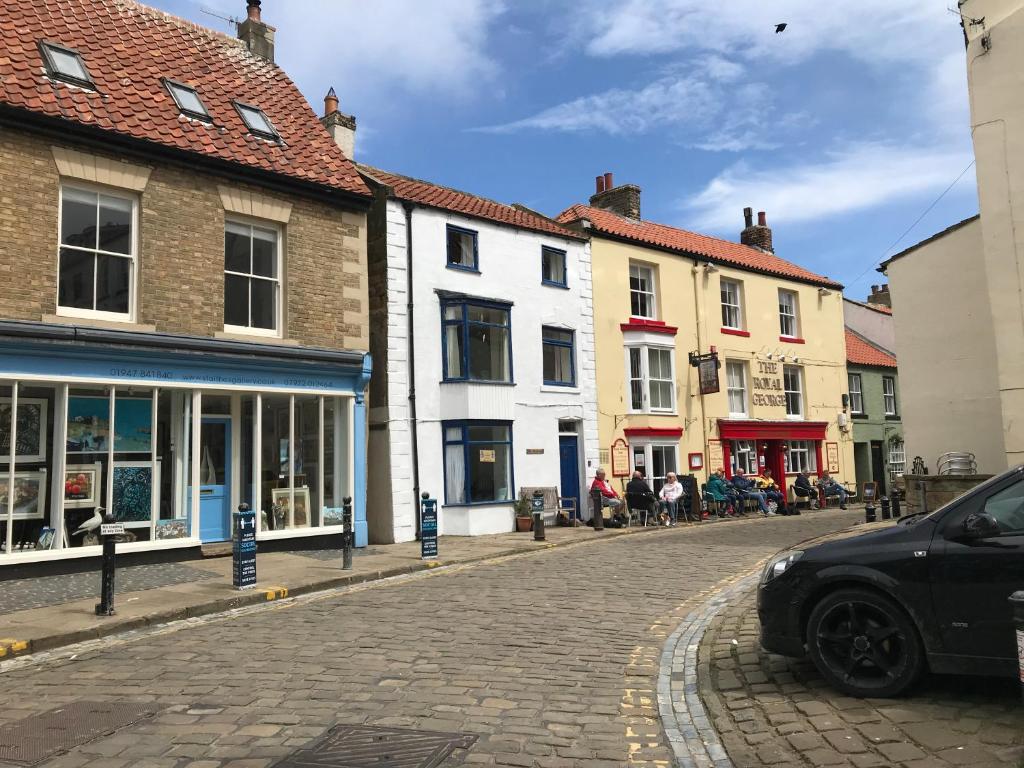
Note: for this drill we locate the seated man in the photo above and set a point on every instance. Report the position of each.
(609, 497)
(747, 491)
(642, 495)
(767, 485)
(830, 487)
(668, 498)
(804, 490)
(720, 491)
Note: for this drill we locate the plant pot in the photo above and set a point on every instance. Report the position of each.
(524, 524)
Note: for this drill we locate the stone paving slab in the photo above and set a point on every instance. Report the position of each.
(776, 711)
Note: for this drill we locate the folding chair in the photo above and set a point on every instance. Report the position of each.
(638, 507)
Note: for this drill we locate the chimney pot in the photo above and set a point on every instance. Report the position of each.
(748, 217)
(252, 11)
(608, 184)
(258, 36)
(600, 184)
(762, 221)
(330, 103)
(759, 236)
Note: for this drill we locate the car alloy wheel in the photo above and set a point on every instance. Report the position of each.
(864, 644)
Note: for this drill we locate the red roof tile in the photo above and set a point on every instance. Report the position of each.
(664, 236)
(445, 198)
(128, 48)
(860, 351)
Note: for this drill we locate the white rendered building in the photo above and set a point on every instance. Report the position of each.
(484, 381)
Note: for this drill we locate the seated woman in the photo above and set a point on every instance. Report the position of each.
(668, 499)
(767, 485)
(722, 493)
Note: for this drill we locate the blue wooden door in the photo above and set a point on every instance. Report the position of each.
(215, 479)
(569, 458)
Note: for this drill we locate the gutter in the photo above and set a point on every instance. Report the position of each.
(410, 310)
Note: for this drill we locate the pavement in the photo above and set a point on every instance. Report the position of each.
(561, 657)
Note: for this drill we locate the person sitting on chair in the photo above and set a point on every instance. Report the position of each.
(722, 493)
(831, 488)
(746, 489)
(609, 497)
(804, 490)
(639, 494)
(767, 485)
(668, 499)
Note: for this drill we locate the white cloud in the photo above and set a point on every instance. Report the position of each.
(856, 178)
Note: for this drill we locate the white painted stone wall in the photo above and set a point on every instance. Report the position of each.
(510, 271)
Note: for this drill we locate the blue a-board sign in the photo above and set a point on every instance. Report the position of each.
(428, 529)
(243, 549)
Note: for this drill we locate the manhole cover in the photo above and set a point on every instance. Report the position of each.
(34, 739)
(364, 746)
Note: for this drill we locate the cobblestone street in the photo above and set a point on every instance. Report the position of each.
(551, 659)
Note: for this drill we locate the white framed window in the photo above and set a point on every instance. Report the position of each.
(744, 457)
(736, 385)
(787, 314)
(641, 292)
(792, 383)
(897, 460)
(97, 271)
(856, 394)
(655, 460)
(889, 395)
(651, 379)
(732, 308)
(252, 278)
(801, 456)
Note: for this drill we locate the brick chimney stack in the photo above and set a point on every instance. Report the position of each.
(342, 127)
(880, 295)
(756, 235)
(258, 37)
(624, 200)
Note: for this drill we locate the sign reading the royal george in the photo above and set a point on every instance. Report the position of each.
(243, 550)
(428, 529)
(767, 386)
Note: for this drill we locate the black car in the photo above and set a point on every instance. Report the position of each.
(876, 605)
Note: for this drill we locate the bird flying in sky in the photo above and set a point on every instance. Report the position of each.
(780, 27)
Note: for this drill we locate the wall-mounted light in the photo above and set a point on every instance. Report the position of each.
(824, 292)
(709, 268)
(796, 359)
(782, 358)
(770, 356)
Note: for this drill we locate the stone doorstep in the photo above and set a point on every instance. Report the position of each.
(117, 625)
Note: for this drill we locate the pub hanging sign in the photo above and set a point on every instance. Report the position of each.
(707, 366)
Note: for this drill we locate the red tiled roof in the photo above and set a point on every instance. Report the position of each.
(869, 305)
(445, 198)
(127, 48)
(860, 351)
(664, 236)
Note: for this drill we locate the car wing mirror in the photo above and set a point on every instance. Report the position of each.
(979, 525)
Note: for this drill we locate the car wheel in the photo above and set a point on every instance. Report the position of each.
(864, 644)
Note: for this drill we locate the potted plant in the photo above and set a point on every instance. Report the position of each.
(524, 515)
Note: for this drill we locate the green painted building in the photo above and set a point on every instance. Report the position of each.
(874, 410)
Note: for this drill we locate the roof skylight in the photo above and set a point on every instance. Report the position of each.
(257, 121)
(187, 99)
(65, 64)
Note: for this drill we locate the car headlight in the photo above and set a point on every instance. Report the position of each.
(779, 564)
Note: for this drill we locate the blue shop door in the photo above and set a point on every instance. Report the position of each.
(215, 479)
(569, 457)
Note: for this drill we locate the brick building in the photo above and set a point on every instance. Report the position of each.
(183, 302)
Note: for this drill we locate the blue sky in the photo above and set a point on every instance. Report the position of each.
(844, 128)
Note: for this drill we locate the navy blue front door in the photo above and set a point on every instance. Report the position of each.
(569, 458)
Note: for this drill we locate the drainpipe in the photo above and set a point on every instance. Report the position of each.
(409, 311)
(698, 307)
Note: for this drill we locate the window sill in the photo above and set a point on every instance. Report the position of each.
(653, 413)
(242, 336)
(68, 319)
(464, 504)
(549, 284)
(858, 416)
(735, 332)
(457, 268)
(892, 417)
(478, 381)
(792, 340)
(549, 386)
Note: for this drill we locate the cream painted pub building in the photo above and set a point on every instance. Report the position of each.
(662, 294)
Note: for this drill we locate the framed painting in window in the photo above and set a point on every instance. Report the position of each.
(31, 430)
(29, 488)
(81, 485)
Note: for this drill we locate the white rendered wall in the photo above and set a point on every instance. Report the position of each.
(510, 271)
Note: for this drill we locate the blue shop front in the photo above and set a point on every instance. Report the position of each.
(172, 433)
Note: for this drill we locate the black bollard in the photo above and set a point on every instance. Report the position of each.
(346, 533)
(1017, 601)
(869, 513)
(597, 506)
(896, 505)
(105, 607)
(886, 509)
(537, 504)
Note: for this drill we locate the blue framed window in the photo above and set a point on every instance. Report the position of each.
(462, 249)
(476, 341)
(559, 357)
(552, 267)
(477, 462)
